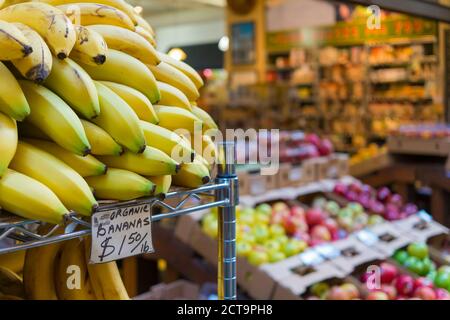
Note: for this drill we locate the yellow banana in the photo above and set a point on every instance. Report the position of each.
(105, 279)
(86, 166)
(13, 261)
(167, 141)
(50, 22)
(13, 43)
(183, 67)
(95, 13)
(171, 96)
(90, 47)
(207, 149)
(55, 118)
(39, 272)
(12, 100)
(192, 175)
(73, 283)
(146, 35)
(163, 183)
(119, 120)
(8, 141)
(29, 198)
(136, 100)
(69, 81)
(173, 118)
(141, 22)
(102, 144)
(65, 182)
(123, 68)
(118, 184)
(37, 65)
(152, 162)
(164, 72)
(128, 42)
(208, 122)
(10, 283)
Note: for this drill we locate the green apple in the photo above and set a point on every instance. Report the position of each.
(264, 209)
(283, 239)
(247, 237)
(429, 265)
(320, 202)
(248, 219)
(275, 256)
(319, 289)
(261, 233)
(442, 280)
(243, 249)
(444, 269)
(276, 230)
(355, 207)
(262, 218)
(272, 245)
(375, 219)
(414, 264)
(332, 208)
(293, 247)
(418, 250)
(258, 257)
(432, 275)
(400, 256)
(345, 213)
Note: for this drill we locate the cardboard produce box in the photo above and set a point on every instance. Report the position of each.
(421, 229)
(420, 146)
(178, 290)
(388, 238)
(338, 166)
(294, 175)
(371, 165)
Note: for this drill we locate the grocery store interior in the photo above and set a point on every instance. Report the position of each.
(225, 149)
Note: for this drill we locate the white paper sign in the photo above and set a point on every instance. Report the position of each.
(327, 251)
(295, 174)
(367, 237)
(310, 258)
(121, 232)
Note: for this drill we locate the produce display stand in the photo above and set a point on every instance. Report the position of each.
(223, 194)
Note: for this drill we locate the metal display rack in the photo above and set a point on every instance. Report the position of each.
(223, 194)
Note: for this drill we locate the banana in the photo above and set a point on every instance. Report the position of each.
(13, 261)
(95, 13)
(12, 100)
(13, 43)
(206, 149)
(65, 182)
(183, 67)
(29, 198)
(69, 81)
(90, 47)
(123, 68)
(171, 96)
(173, 118)
(105, 279)
(192, 175)
(152, 162)
(164, 72)
(119, 120)
(141, 22)
(10, 283)
(73, 255)
(8, 141)
(129, 42)
(203, 161)
(167, 141)
(162, 183)
(146, 35)
(102, 143)
(86, 166)
(55, 118)
(50, 22)
(118, 184)
(37, 65)
(208, 122)
(136, 100)
(39, 272)
(118, 4)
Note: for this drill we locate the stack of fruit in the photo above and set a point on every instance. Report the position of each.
(368, 153)
(416, 259)
(395, 285)
(382, 201)
(48, 271)
(79, 81)
(344, 291)
(295, 146)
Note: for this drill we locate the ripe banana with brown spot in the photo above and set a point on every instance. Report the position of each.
(13, 43)
(90, 47)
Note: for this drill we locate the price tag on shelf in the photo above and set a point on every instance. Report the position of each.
(328, 251)
(121, 232)
(367, 237)
(425, 216)
(311, 258)
(295, 174)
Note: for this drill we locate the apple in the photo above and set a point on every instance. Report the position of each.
(355, 207)
(313, 139)
(404, 284)
(320, 289)
(388, 272)
(248, 219)
(272, 245)
(262, 218)
(332, 208)
(314, 216)
(319, 202)
(364, 201)
(425, 293)
(418, 250)
(396, 200)
(351, 290)
(376, 207)
(258, 257)
(410, 209)
(346, 223)
(340, 188)
(442, 280)
(300, 235)
(377, 295)
(442, 294)
(276, 230)
(422, 282)
(444, 269)
(432, 275)
(375, 219)
(389, 290)
(383, 194)
(293, 247)
(413, 264)
(361, 220)
(355, 187)
(297, 212)
(400, 256)
(331, 225)
(337, 293)
(283, 239)
(280, 207)
(243, 248)
(320, 232)
(429, 265)
(261, 233)
(366, 189)
(275, 256)
(279, 216)
(247, 237)
(345, 212)
(264, 208)
(351, 196)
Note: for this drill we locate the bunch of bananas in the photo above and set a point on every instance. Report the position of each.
(59, 272)
(89, 110)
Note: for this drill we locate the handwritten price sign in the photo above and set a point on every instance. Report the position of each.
(121, 233)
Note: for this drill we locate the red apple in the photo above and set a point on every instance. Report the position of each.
(337, 293)
(442, 294)
(377, 295)
(297, 211)
(351, 290)
(423, 282)
(351, 196)
(425, 293)
(320, 232)
(340, 188)
(325, 147)
(383, 194)
(396, 200)
(331, 225)
(404, 285)
(314, 216)
(388, 272)
(313, 139)
(389, 290)
(300, 235)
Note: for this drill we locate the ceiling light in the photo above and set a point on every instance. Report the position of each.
(224, 43)
(138, 10)
(177, 54)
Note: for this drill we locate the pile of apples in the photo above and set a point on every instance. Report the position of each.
(416, 259)
(394, 285)
(295, 146)
(383, 202)
(345, 291)
(350, 218)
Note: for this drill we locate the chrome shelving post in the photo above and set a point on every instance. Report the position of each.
(226, 173)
